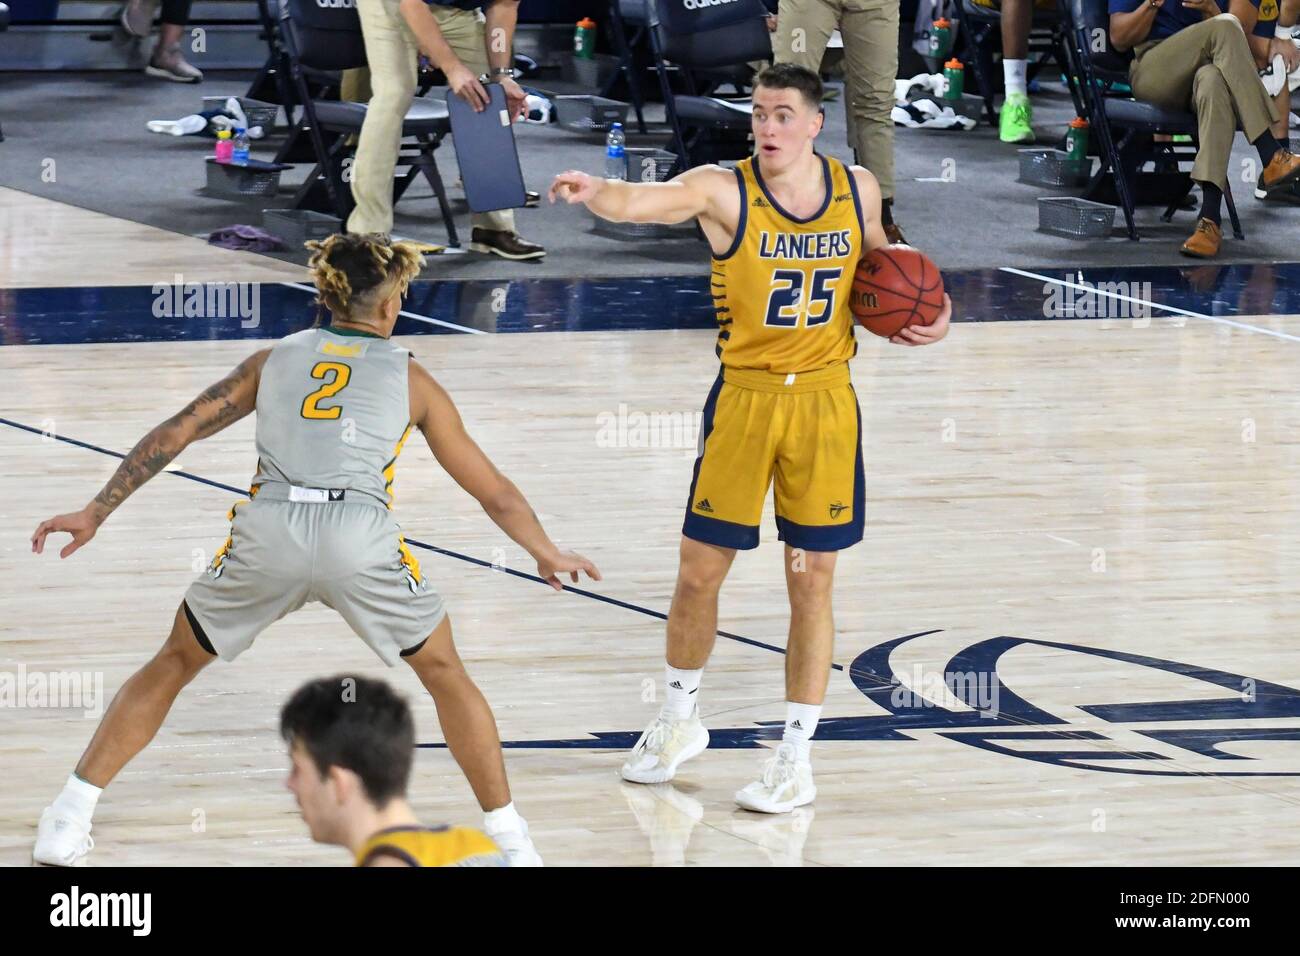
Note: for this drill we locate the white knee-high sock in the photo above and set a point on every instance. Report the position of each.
(680, 691)
(800, 725)
(78, 799)
(1015, 74)
(504, 818)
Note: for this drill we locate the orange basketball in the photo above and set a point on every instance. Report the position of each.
(896, 286)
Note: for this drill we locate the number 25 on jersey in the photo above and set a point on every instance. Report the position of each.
(796, 293)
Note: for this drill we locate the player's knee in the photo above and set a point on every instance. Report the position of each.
(699, 580)
(437, 664)
(809, 591)
(811, 578)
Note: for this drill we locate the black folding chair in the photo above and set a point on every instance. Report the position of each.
(712, 47)
(1136, 122)
(320, 40)
(982, 28)
(622, 15)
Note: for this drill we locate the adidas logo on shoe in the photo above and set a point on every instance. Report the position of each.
(796, 726)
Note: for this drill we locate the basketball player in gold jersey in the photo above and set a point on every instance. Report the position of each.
(787, 227)
(351, 743)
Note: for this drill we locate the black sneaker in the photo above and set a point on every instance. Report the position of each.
(507, 245)
(1286, 196)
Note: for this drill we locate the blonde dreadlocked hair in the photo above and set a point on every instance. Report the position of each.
(354, 273)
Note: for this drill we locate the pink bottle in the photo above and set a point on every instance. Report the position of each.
(225, 146)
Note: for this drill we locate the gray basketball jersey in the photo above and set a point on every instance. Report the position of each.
(332, 412)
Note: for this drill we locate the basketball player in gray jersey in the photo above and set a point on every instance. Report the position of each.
(334, 406)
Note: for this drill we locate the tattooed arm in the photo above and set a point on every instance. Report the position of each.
(222, 404)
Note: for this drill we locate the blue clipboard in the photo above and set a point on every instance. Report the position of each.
(486, 152)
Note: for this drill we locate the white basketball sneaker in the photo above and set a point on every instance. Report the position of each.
(665, 746)
(61, 840)
(786, 783)
(516, 844)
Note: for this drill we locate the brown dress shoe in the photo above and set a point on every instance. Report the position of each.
(894, 235)
(1204, 243)
(1282, 170)
(507, 245)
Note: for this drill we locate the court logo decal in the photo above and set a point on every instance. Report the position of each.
(1172, 737)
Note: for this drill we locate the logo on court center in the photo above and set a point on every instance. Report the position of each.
(1162, 736)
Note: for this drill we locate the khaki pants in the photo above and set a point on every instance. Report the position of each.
(869, 29)
(393, 54)
(1207, 68)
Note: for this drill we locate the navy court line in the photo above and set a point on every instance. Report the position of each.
(626, 605)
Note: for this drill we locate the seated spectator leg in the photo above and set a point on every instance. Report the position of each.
(1216, 125)
(392, 54)
(1227, 48)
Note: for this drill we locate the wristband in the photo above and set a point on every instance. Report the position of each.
(1282, 33)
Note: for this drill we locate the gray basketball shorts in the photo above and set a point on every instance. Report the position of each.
(349, 555)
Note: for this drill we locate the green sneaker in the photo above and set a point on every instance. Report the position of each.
(1014, 123)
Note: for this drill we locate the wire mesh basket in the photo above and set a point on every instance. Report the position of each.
(1075, 218)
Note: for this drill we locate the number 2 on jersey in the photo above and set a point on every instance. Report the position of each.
(785, 302)
(341, 373)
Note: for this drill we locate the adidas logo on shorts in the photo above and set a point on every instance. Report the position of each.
(703, 505)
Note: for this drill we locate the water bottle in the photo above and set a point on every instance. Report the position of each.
(239, 154)
(953, 74)
(615, 155)
(1076, 140)
(584, 39)
(940, 38)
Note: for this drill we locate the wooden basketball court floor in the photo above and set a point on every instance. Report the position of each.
(1115, 499)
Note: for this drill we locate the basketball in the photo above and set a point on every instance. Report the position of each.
(894, 287)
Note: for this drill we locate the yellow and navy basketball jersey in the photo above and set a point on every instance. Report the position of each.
(782, 290)
(433, 846)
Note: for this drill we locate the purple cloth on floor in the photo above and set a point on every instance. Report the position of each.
(246, 238)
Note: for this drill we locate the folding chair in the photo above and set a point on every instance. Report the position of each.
(982, 25)
(717, 43)
(1135, 121)
(319, 39)
(622, 14)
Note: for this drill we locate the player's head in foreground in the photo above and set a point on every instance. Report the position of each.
(351, 741)
(361, 278)
(787, 115)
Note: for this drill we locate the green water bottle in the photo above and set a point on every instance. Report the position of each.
(584, 39)
(940, 38)
(1076, 140)
(953, 75)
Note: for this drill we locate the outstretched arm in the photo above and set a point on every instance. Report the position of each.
(681, 198)
(434, 413)
(222, 404)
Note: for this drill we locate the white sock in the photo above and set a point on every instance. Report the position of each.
(800, 725)
(1015, 74)
(504, 818)
(78, 799)
(680, 689)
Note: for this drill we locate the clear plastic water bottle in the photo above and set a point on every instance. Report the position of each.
(615, 155)
(240, 153)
